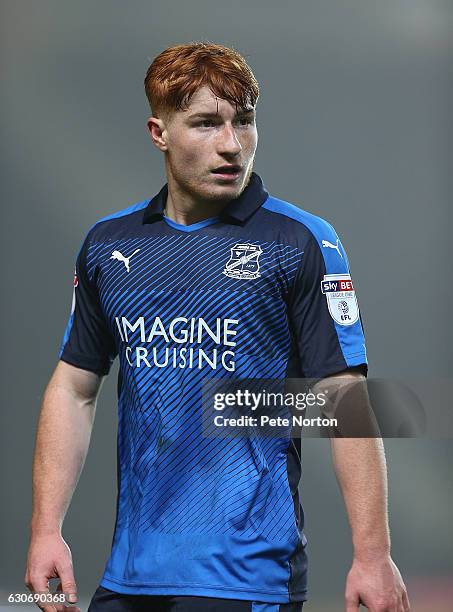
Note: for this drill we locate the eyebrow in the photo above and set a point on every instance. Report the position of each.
(211, 115)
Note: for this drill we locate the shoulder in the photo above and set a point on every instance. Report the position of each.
(311, 233)
(298, 220)
(117, 225)
(117, 222)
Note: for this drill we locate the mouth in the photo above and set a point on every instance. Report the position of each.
(228, 171)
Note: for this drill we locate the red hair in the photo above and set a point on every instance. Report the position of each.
(179, 71)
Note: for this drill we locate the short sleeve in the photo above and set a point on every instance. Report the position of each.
(323, 310)
(87, 342)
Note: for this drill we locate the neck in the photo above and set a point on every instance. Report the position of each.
(181, 206)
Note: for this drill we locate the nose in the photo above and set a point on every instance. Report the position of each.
(228, 141)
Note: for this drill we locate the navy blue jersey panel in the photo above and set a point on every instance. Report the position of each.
(87, 342)
(323, 307)
(317, 340)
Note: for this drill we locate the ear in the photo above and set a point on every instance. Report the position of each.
(158, 133)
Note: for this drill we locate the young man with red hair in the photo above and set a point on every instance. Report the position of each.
(210, 278)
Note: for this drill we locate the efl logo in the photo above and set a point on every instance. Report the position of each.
(341, 299)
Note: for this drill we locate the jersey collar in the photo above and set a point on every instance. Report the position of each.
(236, 211)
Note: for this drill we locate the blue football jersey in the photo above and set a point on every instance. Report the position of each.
(262, 291)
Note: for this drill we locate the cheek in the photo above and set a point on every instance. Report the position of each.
(189, 152)
(250, 142)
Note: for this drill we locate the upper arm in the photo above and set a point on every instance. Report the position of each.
(348, 402)
(83, 385)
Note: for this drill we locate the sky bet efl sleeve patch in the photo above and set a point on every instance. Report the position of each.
(341, 298)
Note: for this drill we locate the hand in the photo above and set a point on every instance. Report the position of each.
(376, 584)
(50, 557)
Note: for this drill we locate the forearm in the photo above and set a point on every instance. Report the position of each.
(361, 471)
(62, 442)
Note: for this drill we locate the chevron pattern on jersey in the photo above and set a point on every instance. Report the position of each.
(174, 478)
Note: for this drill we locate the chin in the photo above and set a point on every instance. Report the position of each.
(215, 193)
(226, 192)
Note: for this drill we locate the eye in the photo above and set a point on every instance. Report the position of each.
(206, 123)
(246, 120)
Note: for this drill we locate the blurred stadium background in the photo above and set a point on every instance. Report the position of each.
(355, 125)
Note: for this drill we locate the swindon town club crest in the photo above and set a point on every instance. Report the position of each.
(244, 261)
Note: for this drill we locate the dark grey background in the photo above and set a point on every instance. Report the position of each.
(354, 125)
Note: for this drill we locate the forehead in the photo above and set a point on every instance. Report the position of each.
(204, 100)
